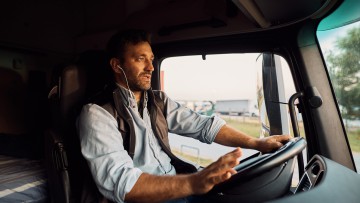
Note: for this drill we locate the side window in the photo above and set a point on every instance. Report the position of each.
(340, 47)
(226, 85)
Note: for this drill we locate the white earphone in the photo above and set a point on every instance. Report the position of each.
(131, 94)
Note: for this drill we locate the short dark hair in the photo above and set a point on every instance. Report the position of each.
(118, 42)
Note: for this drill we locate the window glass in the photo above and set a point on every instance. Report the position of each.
(341, 50)
(225, 85)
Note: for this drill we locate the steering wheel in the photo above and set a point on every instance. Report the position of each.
(259, 163)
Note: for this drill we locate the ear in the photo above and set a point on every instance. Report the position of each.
(114, 63)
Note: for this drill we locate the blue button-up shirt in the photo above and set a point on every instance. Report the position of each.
(113, 170)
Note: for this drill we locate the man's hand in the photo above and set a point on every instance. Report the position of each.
(155, 188)
(271, 143)
(230, 136)
(215, 173)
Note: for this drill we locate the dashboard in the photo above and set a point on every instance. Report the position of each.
(325, 181)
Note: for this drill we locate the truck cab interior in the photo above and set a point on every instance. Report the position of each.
(286, 67)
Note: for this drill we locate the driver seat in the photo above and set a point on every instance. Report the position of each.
(69, 176)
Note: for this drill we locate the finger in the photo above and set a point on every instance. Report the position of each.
(222, 167)
(279, 144)
(221, 178)
(232, 171)
(232, 156)
(226, 176)
(285, 138)
(282, 138)
(226, 162)
(237, 153)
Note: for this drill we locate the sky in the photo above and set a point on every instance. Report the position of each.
(216, 78)
(327, 38)
(219, 77)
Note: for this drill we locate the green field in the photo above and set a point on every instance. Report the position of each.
(251, 126)
(354, 139)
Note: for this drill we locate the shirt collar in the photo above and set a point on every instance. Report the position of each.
(129, 97)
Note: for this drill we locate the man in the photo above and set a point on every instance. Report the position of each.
(146, 172)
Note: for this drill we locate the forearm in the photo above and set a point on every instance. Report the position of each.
(229, 136)
(154, 188)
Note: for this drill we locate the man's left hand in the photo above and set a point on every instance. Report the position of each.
(271, 143)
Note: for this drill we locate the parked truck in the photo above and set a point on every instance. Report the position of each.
(242, 107)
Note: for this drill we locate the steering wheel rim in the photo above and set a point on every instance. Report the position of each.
(255, 165)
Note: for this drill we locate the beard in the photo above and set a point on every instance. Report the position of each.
(141, 83)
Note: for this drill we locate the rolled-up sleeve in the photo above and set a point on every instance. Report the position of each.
(184, 121)
(102, 146)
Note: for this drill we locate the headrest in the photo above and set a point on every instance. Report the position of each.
(82, 79)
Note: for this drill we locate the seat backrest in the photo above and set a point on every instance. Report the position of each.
(12, 96)
(77, 82)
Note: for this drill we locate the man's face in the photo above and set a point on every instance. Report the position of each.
(138, 66)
